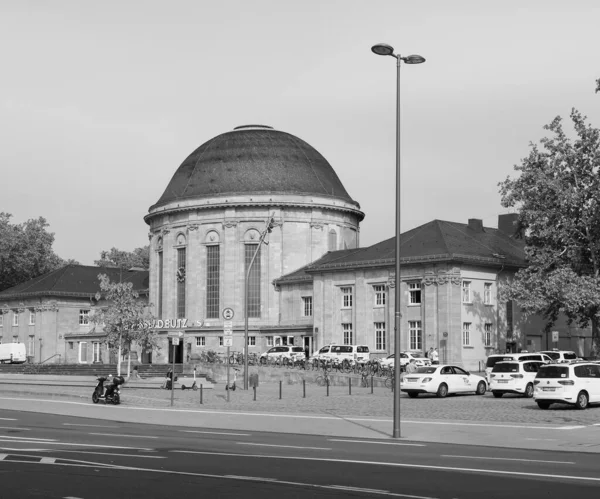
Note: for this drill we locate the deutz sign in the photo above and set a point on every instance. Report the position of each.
(175, 323)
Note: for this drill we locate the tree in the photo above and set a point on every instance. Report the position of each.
(25, 251)
(125, 319)
(139, 257)
(558, 197)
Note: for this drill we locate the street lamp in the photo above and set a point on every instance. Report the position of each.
(384, 49)
(268, 230)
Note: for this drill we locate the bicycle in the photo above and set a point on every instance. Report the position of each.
(324, 379)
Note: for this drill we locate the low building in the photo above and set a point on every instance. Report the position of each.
(51, 313)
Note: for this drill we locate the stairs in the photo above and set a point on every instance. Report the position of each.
(144, 370)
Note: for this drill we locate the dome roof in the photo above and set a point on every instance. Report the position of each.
(254, 159)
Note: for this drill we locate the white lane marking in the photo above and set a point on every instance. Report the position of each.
(21, 449)
(361, 489)
(374, 442)
(7, 438)
(570, 427)
(284, 446)
(508, 459)
(8, 419)
(48, 460)
(3, 456)
(61, 451)
(71, 497)
(14, 428)
(50, 442)
(295, 416)
(92, 425)
(240, 477)
(398, 465)
(217, 433)
(120, 435)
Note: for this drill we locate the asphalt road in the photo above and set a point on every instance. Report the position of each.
(55, 456)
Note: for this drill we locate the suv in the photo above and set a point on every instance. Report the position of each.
(506, 357)
(576, 383)
(285, 352)
(561, 355)
(516, 376)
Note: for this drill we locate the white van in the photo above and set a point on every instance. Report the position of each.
(13, 353)
(358, 353)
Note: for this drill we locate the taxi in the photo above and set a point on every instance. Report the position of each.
(442, 380)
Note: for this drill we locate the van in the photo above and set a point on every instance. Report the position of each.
(358, 353)
(13, 353)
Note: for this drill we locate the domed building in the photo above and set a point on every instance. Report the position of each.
(207, 226)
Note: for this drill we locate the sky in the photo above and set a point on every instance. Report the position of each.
(101, 102)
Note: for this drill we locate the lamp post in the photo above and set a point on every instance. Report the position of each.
(384, 49)
(268, 229)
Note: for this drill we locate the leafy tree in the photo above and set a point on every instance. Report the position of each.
(25, 251)
(139, 257)
(125, 318)
(558, 197)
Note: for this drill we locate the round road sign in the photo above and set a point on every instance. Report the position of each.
(227, 314)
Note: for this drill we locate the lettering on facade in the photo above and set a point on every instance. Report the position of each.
(173, 323)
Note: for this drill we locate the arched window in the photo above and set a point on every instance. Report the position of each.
(332, 240)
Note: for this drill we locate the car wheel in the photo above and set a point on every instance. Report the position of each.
(481, 388)
(543, 405)
(582, 400)
(498, 394)
(528, 391)
(442, 390)
(413, 395)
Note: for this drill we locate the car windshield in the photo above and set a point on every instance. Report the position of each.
(506, 367)
(553, 371)
(491, 362)
(297, 349)
(553, 355)
(569, 356)
(426, 370)
(362, 349)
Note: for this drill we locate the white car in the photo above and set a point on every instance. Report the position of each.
(441, 380)
(405, 357)
(514, 377)
(286, 353)
(561, 355)
(576, 383)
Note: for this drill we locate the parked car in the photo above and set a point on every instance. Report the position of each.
(285, 352)
(441, 380)
(358, 353)
(13, 353)
(514, 377)
(576, 383)
(506, 357)
(561, 355)
(405, 357)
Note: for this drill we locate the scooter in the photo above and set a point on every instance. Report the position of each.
(232, 385)
(193, 387)
(111, 394)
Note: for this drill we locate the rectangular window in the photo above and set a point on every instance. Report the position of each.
(466, 292)
(200, 341)
(181, 260)
(290, 340)
(213, 281)
(253, 279)
(96, 351)
(160, 283)
(15, 318)
(15, 339)
(1, 319)
(487, 293)
(31, 318)
(379, 295)
(414, 293)
(251, 341)
(347, 329)
(509, 319)
(70, 345)
(84, 317)
(269, 341)
(220, 341)
(466, 334)
(415, 335)
(31, 346)
(83, 352)
(346, 297)
(380, 336)
(487, 334)
(307, 309)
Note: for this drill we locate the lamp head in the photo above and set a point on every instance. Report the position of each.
(383, 49)
(413, 59)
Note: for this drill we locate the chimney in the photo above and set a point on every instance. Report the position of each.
(476, 224)
(509, 224)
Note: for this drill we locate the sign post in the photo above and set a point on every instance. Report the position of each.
(175, 342)
(228, 338)
(555, 337)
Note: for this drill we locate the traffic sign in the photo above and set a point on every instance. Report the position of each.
(554, 336)
(228, 313)
(228, 342)
(175, 340)
(175, 334)
(228, 332)
(227, 324)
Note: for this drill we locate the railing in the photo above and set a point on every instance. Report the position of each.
(55, 355)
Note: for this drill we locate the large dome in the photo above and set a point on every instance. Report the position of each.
(254, 159)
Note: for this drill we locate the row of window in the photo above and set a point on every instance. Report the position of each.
(84, 319)
(487, 334)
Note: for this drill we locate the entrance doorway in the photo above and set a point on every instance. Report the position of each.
(308, 344)
(178, 352)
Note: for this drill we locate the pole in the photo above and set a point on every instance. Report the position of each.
(398, 292)
(173, 375)
(227, 390)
